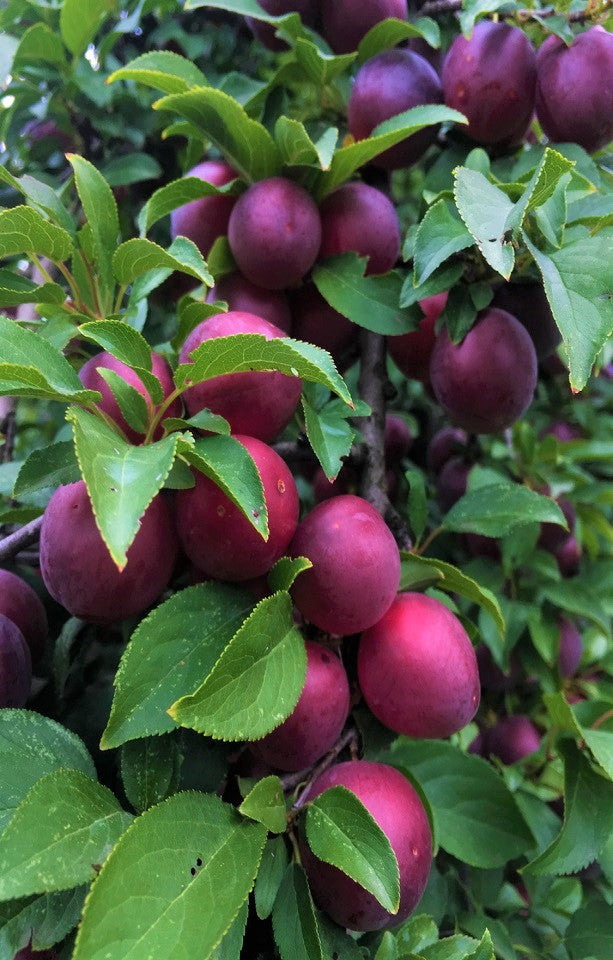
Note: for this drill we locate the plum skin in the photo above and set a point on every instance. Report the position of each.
(78, 570)
(317, 719)
(452, 482)
(395, 805)
(418, 670)
(346, 22)
(265, 32)
(204, 220)
(315, 321)
(21, 604)
(360, 218)
(388, 84)
(486, 382)
(570, 648)
(356, 565)
(411, 352)
(219, 539)
(275, 233)
(258, 404)
(15, 665)
(444, 444)
(491, 79)
(528, 304)
(242, 296)
(512, 738)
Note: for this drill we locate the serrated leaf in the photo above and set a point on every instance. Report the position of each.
(330, 436)
(257, 680)
(174, 195)
(100, 210)
(39, 44)
(272, 869)
(485, 210)
(150, 770)
(47, 468)
(578, 598)
(495, 509)
(321, 68)
(590, 931)
(265, 804)
(42, 920)
(294, 921)
(30, 366)
(24, 230)
(285, 571)
(599, 740)
(203, 420)
(154, 896)
(131, 403)
(438, 237)
(122, 341)
(15, 290)
(80, 21)
(290, 23)
(42, 196)
(136, 257)
(123, 171)
(541, 186)
(232, 943)
(390, 32)
(163, 70)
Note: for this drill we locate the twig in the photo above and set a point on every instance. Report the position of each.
(308, 776)
(592, 12)
(23, 537)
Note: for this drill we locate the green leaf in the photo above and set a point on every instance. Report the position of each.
(43, 197)
(265, 804)
(80, 21)
(551, 216)
(65, 825)
(575, 597)
(417, 504)
(294, 921)
(485, 210)
(24, 230)
(173, 884)
(100, 211)
(290, 23)
(31, 746)
(590, 931)
(295, 146)
(46, 469)
(390, 32)
(39, 44)
(285, 571)
(44, 920)
(162, 70)
(150, 770)
(15, 290)
(30, 366)
(132, 404)
(330, 436)
(257, 680)
(439, 235)
(577, 284)
(600, 741)
(476, 818)
(136, 257)
(541, 186)
(125, 343)
(272, 869)
(123, 171)
(174, 195)
(203, 420)
(440, 281)
(321, 68)
(169, 654)
(496, 509)
(341, 831)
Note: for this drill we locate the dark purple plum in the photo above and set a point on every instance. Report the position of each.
(486, 382)
(434, 57)
(275, 233)
(21, 604)
(315, 321)
(265, 32)
(242, 296)
(574, 89)
(346, 482)
(346, 22)
(397, 439)
(356, 566)
(479, 546)
(452, 482)
(512, 738)
(360, 218)
(568, 556)
(388, 84)
(570, 648)
(15, 665)
(491, 676)
(27, 953)
(411, 352)
(553, 535)
(528, 303)
(418, 670)
(206, 219)
(77, 567)
(563, 432)
(446, 443)
(491, 79)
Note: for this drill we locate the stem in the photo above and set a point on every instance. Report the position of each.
(293, 780)
(23, 537)
(93, 286)
(119, 298)
(70, 280)
(603, 719)
(161, 410)
(92, 408)
(428, 541)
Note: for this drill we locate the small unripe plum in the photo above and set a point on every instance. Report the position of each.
(78, 569)
(552, 535)
(219, 539)
(206, 219)
(528, 303)
(446, 443)
(259, 403)
(21, 604)
(315, 321)
(15, 665)
(562, 431)
(48, 134)
(317, 719)
(388, 84)
(356, 566)
(568, 556)
(512, 739)
(418, 670)
(486, 382)
(265, 32)
(397, 439)
(491, 79)
(275, 233)
(346, 22)
(360, 218)
(570, 649)
(574, 89)
(452, 482)
(395, 806)
(411, 352)
(244, 297)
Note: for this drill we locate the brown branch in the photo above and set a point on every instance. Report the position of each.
(594, 11)
(292, 780)
(23, 537)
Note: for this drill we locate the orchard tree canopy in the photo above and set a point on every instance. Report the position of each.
(306, 475)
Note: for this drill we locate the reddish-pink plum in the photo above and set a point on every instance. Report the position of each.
(15, 665)
(528, 303)
(356, 565)
(395, 806)
(418, 670)
(486, 382)
(452, 482)
(244, 297)
(345, 482)
(275, 233)
(568, 556)
(446, 443)
(265, 32)
(513, 738)
(259, 403)
(21, 604)
(570, 647)
(397, 439)
(216, 535)
(491, 79)
(317, 719)
(206, 219)
(362, 219)
(411, 352)
(315, 321)
(388, 84)
(77, 567)
(346, 22)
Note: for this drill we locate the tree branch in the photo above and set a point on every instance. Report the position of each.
(291, 780)
(593, 11)
(23, 537)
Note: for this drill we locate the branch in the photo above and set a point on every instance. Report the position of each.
(308, 776)
(23, 537)
(593, 11)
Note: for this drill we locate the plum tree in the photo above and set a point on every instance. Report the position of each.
(346, 22)
(445, 443)
(265, 32)
(411, 352)
(418, 670)
(21, 604)
(395, 805)
(317, 322)
(257, 404)
(242, 296)
(219, 539)
(388, 84)
(317, 719)
(528, 303)
(205, 219)
(356, 565)
(93, 380)
(15, 665)
(78, 570)
(360, 218)
(487, 381)
(570, 649)
(491, 79)
(275, 233)
(574, 89)
(512, 738)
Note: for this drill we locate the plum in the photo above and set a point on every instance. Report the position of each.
(397, 439)
(446, 442)
(486, 382)
(92, 380)
(21, 604)
(431, 54)
(317, 719)
(27, 953)
(360, 218)
(315, 321)
(259, 403)
(528, 303)
(345, 482)
(570, 647)
(491, 676)
(568, 556)
(356, 565)
(265, 32)
(346, 22)
(411, 352)
(396, 807)
(275, 233)
(77, 567)
(480, 546)
(386, 85)
(552, 535)
(574, 89)
(243, 296)
(418, 670)
(512, 738)
(491, 79)
(562, 431)
(219, 539)
(15, 665)
(206, 219)
(452, 482)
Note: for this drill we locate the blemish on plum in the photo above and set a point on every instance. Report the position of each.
(280, 486)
